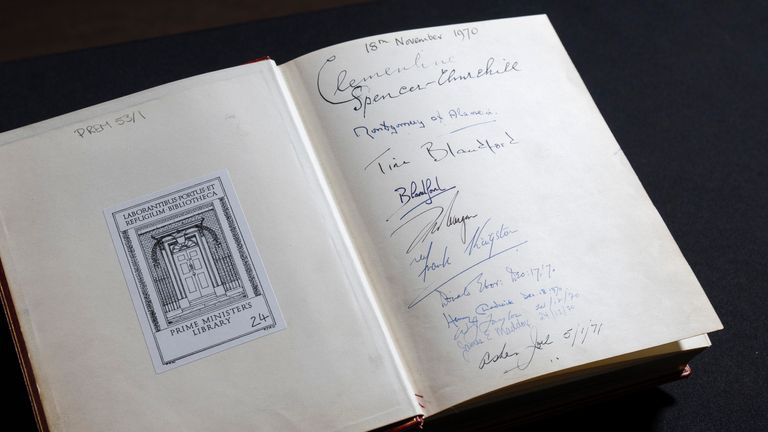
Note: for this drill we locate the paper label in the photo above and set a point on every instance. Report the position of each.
(193, 271)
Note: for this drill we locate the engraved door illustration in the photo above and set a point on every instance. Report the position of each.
(191, 267)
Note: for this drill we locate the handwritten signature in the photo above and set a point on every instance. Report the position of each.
(522, 358)
(429, 265)
(433, 219)
(358, 91)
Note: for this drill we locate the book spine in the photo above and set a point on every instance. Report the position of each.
(21, 352)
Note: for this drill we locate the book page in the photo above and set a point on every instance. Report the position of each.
(219, 224)
(503, 229)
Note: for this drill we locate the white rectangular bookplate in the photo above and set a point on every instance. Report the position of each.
(193, 271)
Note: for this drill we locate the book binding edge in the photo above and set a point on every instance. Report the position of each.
(416, 423)
(21, 352)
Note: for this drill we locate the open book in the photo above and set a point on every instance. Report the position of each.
(396, 227)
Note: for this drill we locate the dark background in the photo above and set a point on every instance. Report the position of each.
(35, 27)
(682, 85)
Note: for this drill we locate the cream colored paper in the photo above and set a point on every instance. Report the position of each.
(504, 231)
(330, 369)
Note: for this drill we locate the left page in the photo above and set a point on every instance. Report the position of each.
(230, 276)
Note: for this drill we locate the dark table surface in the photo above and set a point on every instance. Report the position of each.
(683, 85)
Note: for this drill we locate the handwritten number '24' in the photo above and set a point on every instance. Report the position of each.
(261, 319)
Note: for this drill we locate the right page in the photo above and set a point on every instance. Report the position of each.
(503, 230)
